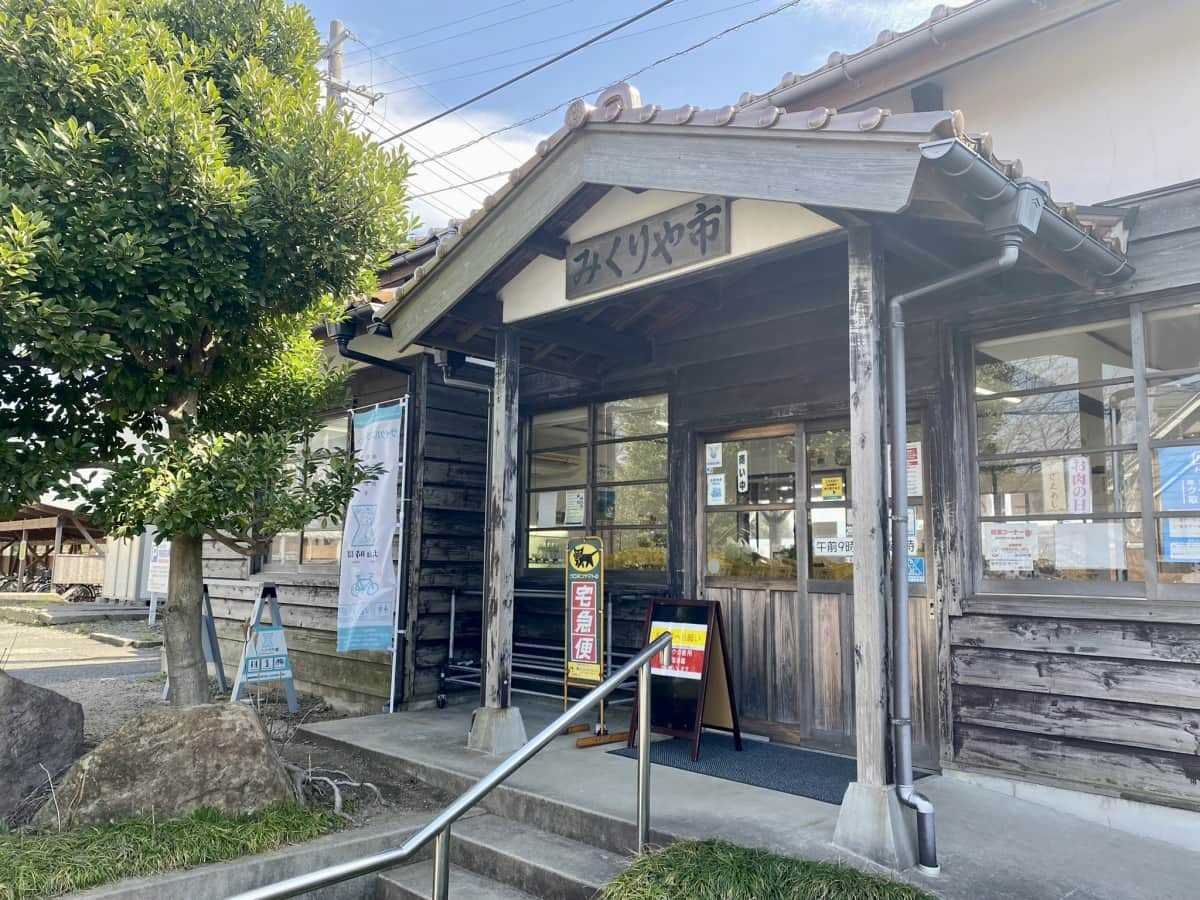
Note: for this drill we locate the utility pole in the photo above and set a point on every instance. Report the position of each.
(336, 87)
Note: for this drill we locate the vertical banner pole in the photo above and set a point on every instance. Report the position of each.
(401, 519)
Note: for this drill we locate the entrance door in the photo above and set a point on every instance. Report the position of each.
(776, 549)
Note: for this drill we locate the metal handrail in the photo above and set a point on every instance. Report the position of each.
(439, 828)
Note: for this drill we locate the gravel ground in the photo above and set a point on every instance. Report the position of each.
(139, 630)
(108, 703)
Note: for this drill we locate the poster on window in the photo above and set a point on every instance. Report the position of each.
(585, 611)
(1079, 485)
(1179, 475)
(368, 583)
(1181, 540)
(1009, 548)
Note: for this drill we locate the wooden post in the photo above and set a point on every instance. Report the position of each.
(23, 550)
(58, 530)
(868, 445)
(497, 726)
(870, 821)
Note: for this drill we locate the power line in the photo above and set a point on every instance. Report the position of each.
(658, 62)
(508, 65)
(444, 105)
(537, 68)
(477, 29)
(455, 187)
(482, 12)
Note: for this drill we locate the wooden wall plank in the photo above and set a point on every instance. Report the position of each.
(1146, 641)
(1103, 721)
(1146, 775)
(790, 640)
(1161, 684)
(456, 424)
(455, 449)
(827, 664)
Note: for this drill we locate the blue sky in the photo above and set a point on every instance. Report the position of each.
(435, 54)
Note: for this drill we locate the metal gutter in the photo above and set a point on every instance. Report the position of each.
(992, 191)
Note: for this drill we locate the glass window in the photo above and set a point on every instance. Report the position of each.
(755, 543)
(1053, 443)
(317, 543)
(599, 469)
(1060, 357)
(558, 467)
(769, 469)
(1174, 407)
(634, 417)
(1173, 339)
(561, 428)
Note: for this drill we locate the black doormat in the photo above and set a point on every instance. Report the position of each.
(776, 767)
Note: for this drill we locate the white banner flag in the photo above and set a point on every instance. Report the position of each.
(368, 587)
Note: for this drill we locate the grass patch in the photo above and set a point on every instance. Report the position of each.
(46, 865)
(717, 870)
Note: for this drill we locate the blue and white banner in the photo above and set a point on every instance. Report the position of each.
(368, 589)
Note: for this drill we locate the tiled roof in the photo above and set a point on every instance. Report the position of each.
(839, 60)
(622, 105)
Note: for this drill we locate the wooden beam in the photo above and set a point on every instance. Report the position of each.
(86, 534)
(502, 523)
(24, 552)
(868, 444)
(548, 244)
(17, 525)
(591, 338)
(868, 172)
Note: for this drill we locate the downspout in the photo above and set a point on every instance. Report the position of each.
(901, 673)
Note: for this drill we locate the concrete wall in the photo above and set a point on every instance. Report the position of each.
(1100, 107)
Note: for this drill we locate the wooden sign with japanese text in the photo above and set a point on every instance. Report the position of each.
(691, 684)
(585, 611)
(695, 232)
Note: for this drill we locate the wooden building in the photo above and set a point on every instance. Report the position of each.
(687, 314)
(51, 546)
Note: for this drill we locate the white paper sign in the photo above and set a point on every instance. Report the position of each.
(368, 585)
(1079, 485)
(716, 489)
(1089, 545)
(160, 568)
(1054, 485)
(576, 506)
(1009, 547)
(547, 509)
(743, 471)
(712, 455)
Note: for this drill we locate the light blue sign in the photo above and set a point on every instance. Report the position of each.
(266, 657)
(916, 569)
(1179, 475)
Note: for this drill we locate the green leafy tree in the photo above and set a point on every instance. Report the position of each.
(176, 211)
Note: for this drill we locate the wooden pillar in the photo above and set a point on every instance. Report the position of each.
(497, 726)
(58, 534)
(868, 449)
(23, 551)
(870, 821)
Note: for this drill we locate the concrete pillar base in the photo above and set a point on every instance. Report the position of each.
(496, 731)
(873, 823)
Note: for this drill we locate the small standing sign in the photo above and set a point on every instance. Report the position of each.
(265, 657)
(585, 629)
(691, 686)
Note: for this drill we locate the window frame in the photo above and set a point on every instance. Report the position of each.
(591, 445)
(1144, 448)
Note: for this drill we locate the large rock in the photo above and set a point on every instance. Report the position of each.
(37, 728)
(168, 762)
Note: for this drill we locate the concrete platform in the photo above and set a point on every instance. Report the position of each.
(34, 613)
(991, 845)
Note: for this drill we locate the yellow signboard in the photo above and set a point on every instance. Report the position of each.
(833, 487)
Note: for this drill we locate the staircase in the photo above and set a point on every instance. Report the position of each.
(495, 858)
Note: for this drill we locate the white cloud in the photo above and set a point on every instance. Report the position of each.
(897, 15)
(502, 153)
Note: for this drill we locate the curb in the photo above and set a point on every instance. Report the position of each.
(117, 641)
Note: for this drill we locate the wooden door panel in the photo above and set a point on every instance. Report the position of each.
(829, 686)
(790, 641)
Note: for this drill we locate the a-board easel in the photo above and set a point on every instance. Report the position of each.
(587, 633)
(265, 658)
(691, 686)
(212, 649)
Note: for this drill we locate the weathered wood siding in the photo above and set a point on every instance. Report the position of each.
(444, 544)
(451, 485)
(1086, 692)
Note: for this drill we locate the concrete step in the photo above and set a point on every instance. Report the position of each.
(538, 862)
(577, 822)
(415, 882)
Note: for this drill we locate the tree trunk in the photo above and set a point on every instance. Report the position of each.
(186, 666)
